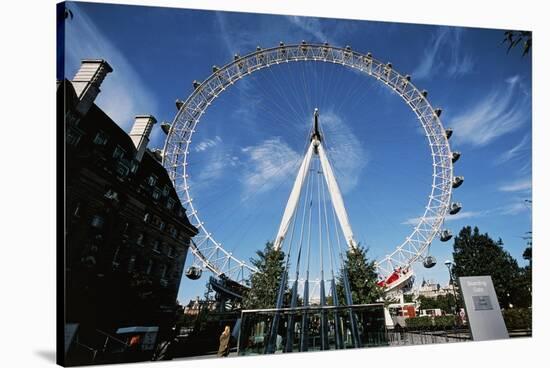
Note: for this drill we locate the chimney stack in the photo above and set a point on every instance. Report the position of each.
(140, 132)
(87, 81)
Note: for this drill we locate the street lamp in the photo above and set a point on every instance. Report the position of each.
(451, 282)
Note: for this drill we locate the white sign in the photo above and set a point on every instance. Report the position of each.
(482, 308)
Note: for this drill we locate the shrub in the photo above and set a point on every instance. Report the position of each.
(517, 318)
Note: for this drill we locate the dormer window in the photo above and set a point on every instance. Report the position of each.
(100, 138)
(156, 194)
(162, 225)
(111, 194)
(156, 246)
(147, 217)
(140, 239)
(165, 190)
(151, 180)
(170, 203)
(118, 153)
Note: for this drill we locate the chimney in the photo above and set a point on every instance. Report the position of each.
(87, 80)
(139, 134)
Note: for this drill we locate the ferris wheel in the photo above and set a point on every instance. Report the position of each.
(395, 269)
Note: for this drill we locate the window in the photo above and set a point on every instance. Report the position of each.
(173, 231)
(151, 180)
(134, 165)
(165, 190)
(170, 252)
(140, 239)
(170, 203)
(73, 137)
(163, 271)
(149, 267)
(156, 194)
(122, 170)
(131, 263)
(100, 138)
(76, 212)
(118, 153)
(115, 257)
(97, 221)
(162, 225)
(147, 217)
(111, 194)
(156, 246)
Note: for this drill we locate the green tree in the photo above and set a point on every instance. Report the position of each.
(444, 302)
(476, 254)
(362, 277)
(264, 284)
(514, 38)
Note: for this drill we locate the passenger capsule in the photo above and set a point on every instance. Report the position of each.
(215, 69)
(446, 235)
(456, 156)
(179, 104)
(438, 112)
(258, 48)
(455, 208)
(448, 133)
(196, 84)
(457, 181)
(194, 273)
(429, 262)
(165, 127)
(408, 78)
(424, 93)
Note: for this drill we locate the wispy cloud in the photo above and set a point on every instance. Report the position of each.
(207, 143)
(123, 93)
(444, 54)
(268, 164)
(311, 26)
(517, 186)
(515, 151)
(345, 151)
(459, 216)
(514, 207)
(501, 111)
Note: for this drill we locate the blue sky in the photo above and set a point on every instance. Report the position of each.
(248, 145)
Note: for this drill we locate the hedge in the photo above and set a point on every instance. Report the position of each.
(430, 323)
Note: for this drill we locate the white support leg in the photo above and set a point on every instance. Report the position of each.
(292, 203)
(336, 197)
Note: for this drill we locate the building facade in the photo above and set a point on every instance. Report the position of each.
(126, 232)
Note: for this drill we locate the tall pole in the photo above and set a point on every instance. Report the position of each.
(452, 283)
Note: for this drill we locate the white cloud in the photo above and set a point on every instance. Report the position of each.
(517, 186)
(444, 54)
(311, 26)
(346, 153)
(123, 93)
(515, 151)
(459, 216)
(207, 143)
(501, 111)
(268, 164)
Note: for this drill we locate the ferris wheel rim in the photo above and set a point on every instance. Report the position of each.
(214, 257)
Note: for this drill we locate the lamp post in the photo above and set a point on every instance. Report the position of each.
(451, 282)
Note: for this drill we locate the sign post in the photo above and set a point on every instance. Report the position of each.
(482, 308)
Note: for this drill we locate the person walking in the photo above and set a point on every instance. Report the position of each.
(225, 338)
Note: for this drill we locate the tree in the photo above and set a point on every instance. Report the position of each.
(362, 277)
(513, 38)
(444, 302)
(264, 284)
(476, 254)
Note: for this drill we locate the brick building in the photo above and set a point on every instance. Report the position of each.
(126, 232)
